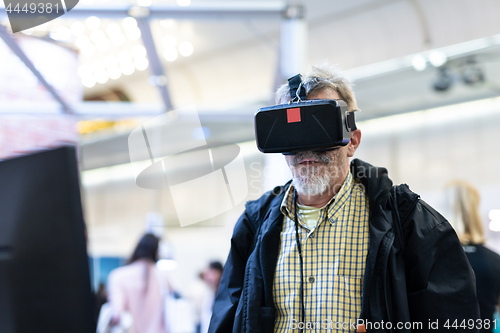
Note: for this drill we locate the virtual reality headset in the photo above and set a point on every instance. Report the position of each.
(303, 125)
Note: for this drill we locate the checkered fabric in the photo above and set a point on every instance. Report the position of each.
(334, 254)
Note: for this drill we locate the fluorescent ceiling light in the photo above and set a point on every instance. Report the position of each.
(437, 58)
(451, 51)
(419, 62)
(431, 117)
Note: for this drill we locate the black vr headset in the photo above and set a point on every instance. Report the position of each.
(303, 125)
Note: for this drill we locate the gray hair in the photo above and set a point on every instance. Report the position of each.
(322, 77)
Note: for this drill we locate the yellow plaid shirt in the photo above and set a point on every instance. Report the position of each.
(333, 253)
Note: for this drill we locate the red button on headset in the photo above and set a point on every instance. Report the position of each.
(293, 115)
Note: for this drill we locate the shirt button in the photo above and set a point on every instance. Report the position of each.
(312, 234)
(311, 279)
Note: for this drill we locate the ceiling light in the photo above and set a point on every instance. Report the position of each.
(77, 28)
(129, 23)
(419, 62)
(141, 63)
(139, 51)
(97, 35)
(103, 45)
(168, 23)
(494, 214)
(472, 74)
(169, 41)
(183, 2)
(111, 61)
(93, 22)
(114, 72)
(61, 34)
(118, 40)
(133, 34)
(436, 117)
(444, 80)
(124, 56)
(82, 41)
(113, 29)
(170, 54)
(102, 77)
(88, 81)
(495, 226)
(84, 70)
(127, 68)
(88, 50)
(437, 58)
(186, 49)
(97, 66)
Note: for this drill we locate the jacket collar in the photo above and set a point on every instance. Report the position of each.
(375, 180)
(269, 250)
(378, 187)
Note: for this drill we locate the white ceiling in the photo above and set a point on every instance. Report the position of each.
(236, 60)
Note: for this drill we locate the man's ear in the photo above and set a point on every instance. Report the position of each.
(354, 143)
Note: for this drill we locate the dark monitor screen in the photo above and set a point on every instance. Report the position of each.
(44, 274)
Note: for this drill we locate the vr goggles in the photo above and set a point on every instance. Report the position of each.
(303, 125)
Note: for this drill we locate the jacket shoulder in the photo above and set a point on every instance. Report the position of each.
(256, 210)
(423, 224)
(409, 202)
(406, 200)
(416, 216)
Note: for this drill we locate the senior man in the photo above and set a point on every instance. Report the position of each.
(339, 248)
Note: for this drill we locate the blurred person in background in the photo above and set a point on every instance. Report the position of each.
(138, 289)
(211, 276)
(196, 295)
(101, 297)
(463, 214)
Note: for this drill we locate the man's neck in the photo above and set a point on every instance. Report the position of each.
(321, 200)
(317, 201)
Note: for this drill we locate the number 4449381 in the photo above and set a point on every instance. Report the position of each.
(471, 324)
(40, 8)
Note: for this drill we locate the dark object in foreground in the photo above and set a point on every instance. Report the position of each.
(44, 273)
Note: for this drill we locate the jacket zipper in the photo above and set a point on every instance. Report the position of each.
(245, 301)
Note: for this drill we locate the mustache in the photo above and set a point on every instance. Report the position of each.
(300, 156)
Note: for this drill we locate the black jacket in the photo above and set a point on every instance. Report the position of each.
(486, 266)
(416, 269)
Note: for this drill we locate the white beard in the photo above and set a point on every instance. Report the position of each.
(312, 183)
(313, 180)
